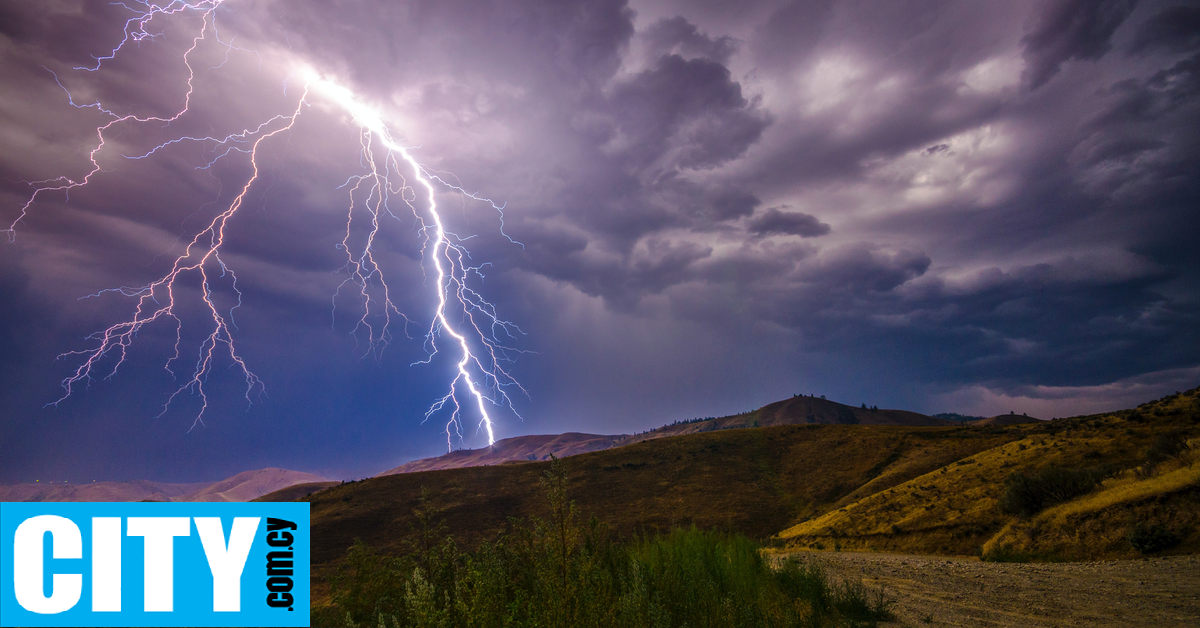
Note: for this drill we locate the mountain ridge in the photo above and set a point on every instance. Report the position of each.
(243, 486)
(797, 410)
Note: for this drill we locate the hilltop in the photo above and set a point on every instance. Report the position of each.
(249, 485)
(1004, 419)
(517, 448)
(799, 410)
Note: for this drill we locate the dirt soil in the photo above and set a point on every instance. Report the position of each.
(950, 591)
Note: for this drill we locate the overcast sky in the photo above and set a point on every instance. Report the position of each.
(935, 206)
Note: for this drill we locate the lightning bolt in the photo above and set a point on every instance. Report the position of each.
(392, 176)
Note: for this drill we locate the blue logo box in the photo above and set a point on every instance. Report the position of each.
(154, 564)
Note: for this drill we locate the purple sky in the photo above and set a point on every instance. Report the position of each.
(937, 206)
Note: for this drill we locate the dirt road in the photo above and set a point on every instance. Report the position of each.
(946, 591)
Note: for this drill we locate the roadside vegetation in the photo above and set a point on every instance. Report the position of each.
(561, 571)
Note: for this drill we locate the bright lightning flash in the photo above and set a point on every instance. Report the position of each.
(462, 315)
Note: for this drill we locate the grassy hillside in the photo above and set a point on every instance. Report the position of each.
(757, 481)
(934, 490)
(956, 508)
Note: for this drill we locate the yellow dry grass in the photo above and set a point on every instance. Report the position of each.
(1097, 525)
(1127, 489)
(954, 508)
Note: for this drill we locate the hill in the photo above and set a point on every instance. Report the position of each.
(244, 486)
(1107, 478)
(517, 448)
(249, 485)
(296, 491)
(1004, 419)
(798, 410)
(137, 490)
(919, 489)
(759, 481)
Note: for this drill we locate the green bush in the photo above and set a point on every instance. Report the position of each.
(1173, 444)
(1151, 539)
(1005, 554)
(560, 572)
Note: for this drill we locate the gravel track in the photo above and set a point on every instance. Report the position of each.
(952, 591)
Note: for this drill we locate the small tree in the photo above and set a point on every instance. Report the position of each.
(560, 537)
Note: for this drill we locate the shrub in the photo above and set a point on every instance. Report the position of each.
(1026, 494)
(1173, 444)
(855, 603)
(1151, 539)
(1005, 554)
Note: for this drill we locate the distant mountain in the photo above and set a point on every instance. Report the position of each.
(249, 485)
(954, 416)
(244, 486)
(1005, 419)
(296, 491)
(135, 491)
(798, 410)
(515, 449)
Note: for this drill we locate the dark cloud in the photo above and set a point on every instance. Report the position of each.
(683, 113)
(678, 36)
(792, 223)
(859, 270)
(1071, 29)
(732, 203)
(1064, 324)
(1173, 29)
(792, 31)
(963, 237)
(1178, 84)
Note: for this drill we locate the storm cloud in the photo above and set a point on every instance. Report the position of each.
(938, 206)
